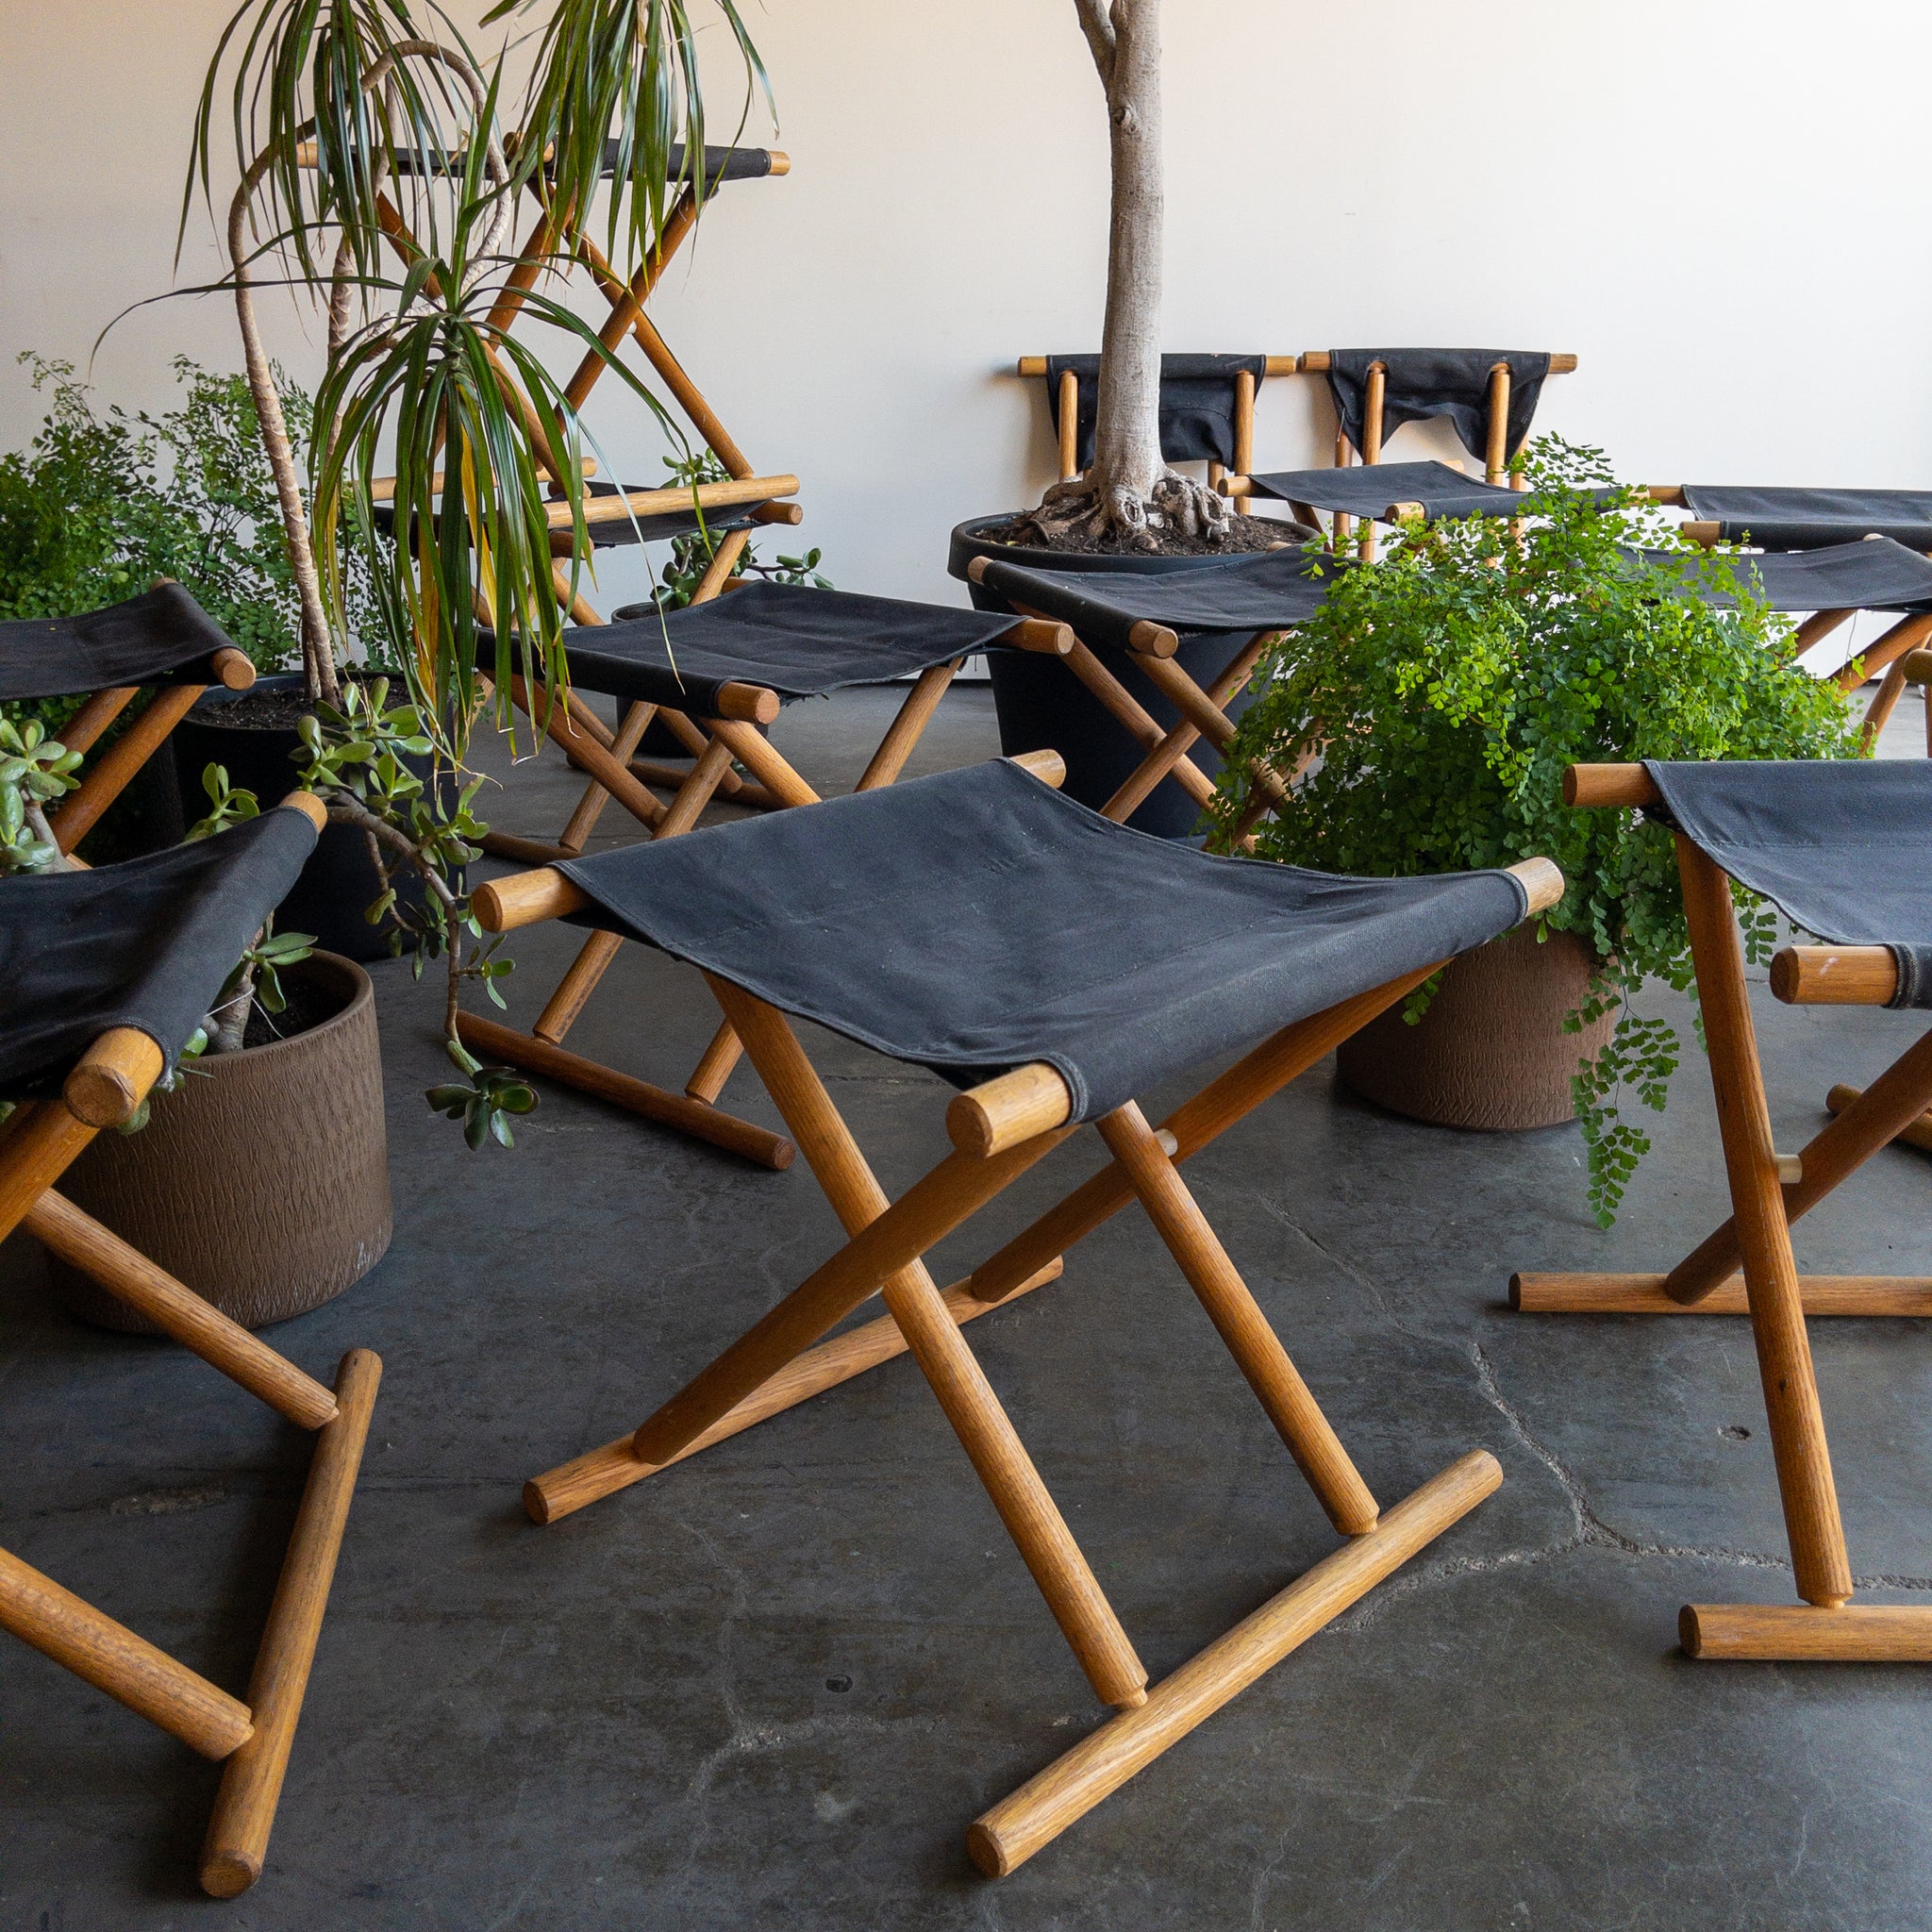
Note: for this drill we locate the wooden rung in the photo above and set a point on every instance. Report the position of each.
(525, 898)
(1834, 975)
(1916, 1133)
(1643, 1294)
(668, 1110)
(1600, 785)
(112, 1659)
(237, 1833)
(600, 1472)
(655, 503)
(1804, 1633)
(527, 851)
(1003, 1839)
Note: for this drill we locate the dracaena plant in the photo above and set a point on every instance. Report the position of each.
(1437, 696)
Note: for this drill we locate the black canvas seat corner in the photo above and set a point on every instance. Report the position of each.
(792, 640)
(977, 921)
(1421, 383)
(160, 637)
(1838, 845)
(1788, 518)
(1201, 418)
(146, 944)
(1260, 590)
(1866, 574)
(1370, 491)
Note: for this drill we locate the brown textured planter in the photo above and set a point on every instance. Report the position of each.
(1491, 1052)
(262, 1181)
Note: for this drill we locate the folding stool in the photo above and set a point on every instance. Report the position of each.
(107, 972)
(1776, 518)
(162, 638)
(1052, 965)
(1838, 848)
(728, 665)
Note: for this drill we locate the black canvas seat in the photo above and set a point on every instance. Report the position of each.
(160, 639)
(714, 673)
(1839, 848)
(104, 974)
(1184, 643)
(1050, 963)
(1778, 518)
(1370, 492)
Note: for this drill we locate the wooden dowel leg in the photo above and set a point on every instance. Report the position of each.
(708, 1079)
(1822, 1569)
(1496, 455)
(718, 571)
(1226, 1099)
(1181, 737)
(1905, 635)
(1372, 400)
(1032, 1518)
(896, 746)
(130, 1276)
(112, 1659)
(37, 1146)
(1883, 701)
(756, 755)
(705, 777)
(79, 732)
(589, 808)
(244, 1812)
(577, 733)
(1239, 1321)
(1118, 699)
(74, 816)
(599, 1472)
(1801, 1632)
(594, 960)
(1004, 1837)
(694, 741)
(1067, 416)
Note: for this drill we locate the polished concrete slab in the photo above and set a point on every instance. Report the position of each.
(772, 1686)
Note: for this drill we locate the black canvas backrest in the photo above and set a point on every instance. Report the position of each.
(1197, 403)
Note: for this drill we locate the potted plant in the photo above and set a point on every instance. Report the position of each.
(1436, 700)
(1129, 510)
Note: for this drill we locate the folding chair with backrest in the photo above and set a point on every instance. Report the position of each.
(161, 639)
(1053, 965)
(1206, 406)
(727, 666)
(1136, 637)
(1488, 397)
(106, 974)
(1840, 848)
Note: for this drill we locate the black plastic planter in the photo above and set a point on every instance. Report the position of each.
(1042, 705)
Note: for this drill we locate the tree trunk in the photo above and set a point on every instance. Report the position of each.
(1129, 486)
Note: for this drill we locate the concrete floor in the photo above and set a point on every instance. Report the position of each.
(773, 1686)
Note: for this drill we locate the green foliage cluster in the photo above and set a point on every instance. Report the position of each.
(1439, 694)
(691, 554)
(104, 501)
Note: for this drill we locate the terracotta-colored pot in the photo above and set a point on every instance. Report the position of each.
(1491, 1052)
(262, 1181)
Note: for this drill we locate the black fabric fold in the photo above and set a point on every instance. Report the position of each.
(161, 636)
(976, 921)
(797, 641)
(1838, 845)
(1265, 590)
(1197, 403)
(1797, 519)
(1371, 490)
(1872, 573)
(146, 944)
(1437, 382)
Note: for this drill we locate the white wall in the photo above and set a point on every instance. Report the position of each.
(1724, 208)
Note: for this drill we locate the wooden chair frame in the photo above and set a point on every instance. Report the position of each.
(998, 1131)
(1201, 707)
(1769, 1191)
(253, 1740)
(589, 743)
(75, 814)
(1066, 410)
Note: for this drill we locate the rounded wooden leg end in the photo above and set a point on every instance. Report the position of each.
(1690, 1637)
(783, 1154)
(987, 1852)
(227, 1873)
(536, 1503)
(1516, 1293)
(1133, 1700)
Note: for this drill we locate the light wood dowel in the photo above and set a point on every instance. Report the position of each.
(1777, 1318)
(998, 1114)
(1644, 1294)
(111, 1079)
(593, 959)
(1834, 975)
(130, 1276)
(37, 1144)
(244, 1812)
(903, 733)
(1805, 1634)
(1875, 1118)
(1181, 737)
(525, 898)
(1496, 453)
(79, 732)
(600, 1472)
(635, 1096)
(1128, 709)
(1046, 766)
(72, 817)
(1004, 1837)
(714, 1066)
(589, 808)
(757, 757)
(1915, 1133)
(1816, 628)
(1243, 421)
(1904, 638)
(1230, 1097)
(627, 504)
(1608, 785)
(1033, 1520)
(1239, 1321)
(112, 1659)
(1068, 423)
(578, 731)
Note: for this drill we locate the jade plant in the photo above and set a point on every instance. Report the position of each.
(1435, 700)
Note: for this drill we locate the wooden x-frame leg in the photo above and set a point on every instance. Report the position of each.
(587, 738)
(252, 1740)
(783, 1359)
(1777, 1300)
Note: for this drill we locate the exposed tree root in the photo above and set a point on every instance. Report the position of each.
(1089, 507)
